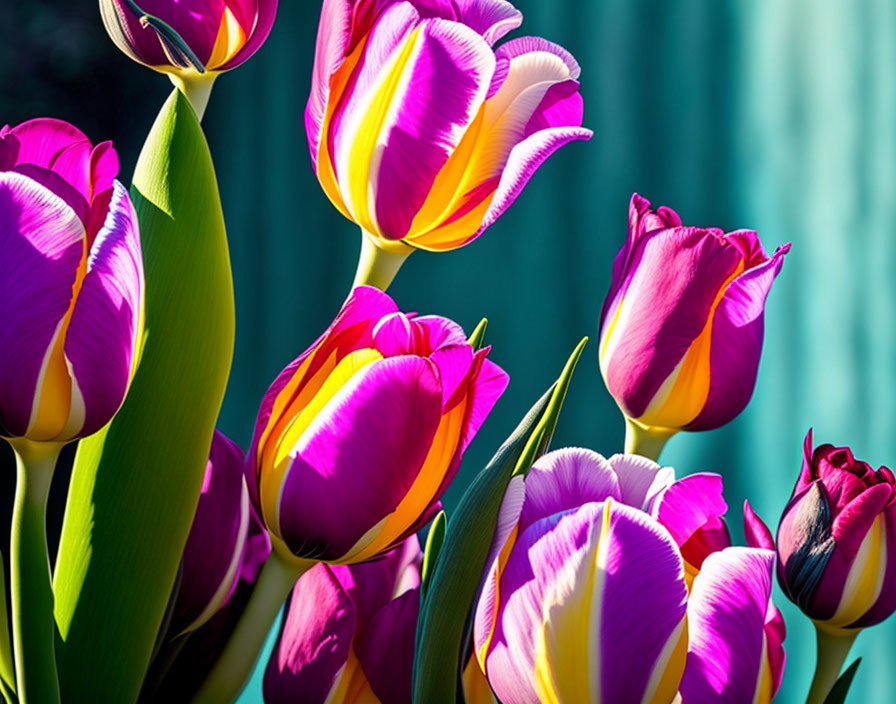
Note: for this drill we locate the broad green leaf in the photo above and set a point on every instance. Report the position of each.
(433, 545)
(838, 692)
(136, 483)
(457, 573)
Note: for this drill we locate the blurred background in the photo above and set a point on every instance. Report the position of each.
(776, 116)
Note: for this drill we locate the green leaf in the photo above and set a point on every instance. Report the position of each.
(838, 692)
(457, 574)
(477, 338)
(431, 554)
(7, 669)
(136, 483)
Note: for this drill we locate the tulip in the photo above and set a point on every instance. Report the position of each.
(348, 635)
(72, 284)
(423, 134)
(191, 40)
(682, 325)
(358, 438)
(223, 555)
(227, 541)
(832, 543)
(589, 597)
(355, 443)
(71, 305)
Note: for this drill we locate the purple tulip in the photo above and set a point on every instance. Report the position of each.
(71, 283)
(348, 636)
(189, 36)
(227, 541)
(682, 325)
(358, 438)
(833, 540)
(422, 133)
(586, 597)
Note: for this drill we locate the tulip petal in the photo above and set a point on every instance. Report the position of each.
(258, 32)
(433, 331)
(440, 93)
(756, 532)
(689, 504)
(567, 627)
(217, 540)
(490, 18)
(736, 344)
(525, 159)
(42, 240)
(885, 604)
(314, 643)
(42, 141)
(726, 616)
(641, 480)
(487, 387)
(106, 327)
(565, 479)
(367, 445)
(454, 364)
(805, 546)
(387, 651)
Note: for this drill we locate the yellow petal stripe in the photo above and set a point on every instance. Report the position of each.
(273, 475)
(231, 38)
(865, 579)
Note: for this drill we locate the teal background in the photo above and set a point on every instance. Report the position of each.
(776, 116)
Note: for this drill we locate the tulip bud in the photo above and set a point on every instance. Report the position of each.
(348, 635)
(422, 133)
(360, 436)
(226, 540)
(833, 540)
(71, 283)
(190, 40)
(682, 325)
(586, 596)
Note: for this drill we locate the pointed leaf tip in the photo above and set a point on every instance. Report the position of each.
(431, 554)
(477, 338)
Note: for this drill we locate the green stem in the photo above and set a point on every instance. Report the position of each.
(377, 266)
(647, 442)
(196, 86)
(234, 667)
(832, 651)
(7, 666)
(33, 625)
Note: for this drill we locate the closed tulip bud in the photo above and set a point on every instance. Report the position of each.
(420, 131)
(71, 284)
(191, 40)
(227, 541)
(360, 436)
(834, 539)
(682, 326)
(588, 596)
(348, 635)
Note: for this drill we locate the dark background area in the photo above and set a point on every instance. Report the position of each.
(752, 113)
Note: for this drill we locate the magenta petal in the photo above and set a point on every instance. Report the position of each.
(756, 532)
(386, 653)
(454, 364)
(333, 36)
(566, 479)
(524, 160)
(264, 23)
(527, 45)
(433, 331)
(641, 480)
(102, 340)
(314, 643)
(446, 86)
(490, 18)
(366, 448)
(726, 617)
(690, 503)
(485, 390)
(42, 240)
(41, 141)
(217, 540)
(736, 344)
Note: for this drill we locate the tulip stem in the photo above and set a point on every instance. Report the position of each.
(33, 624)
(832, 651)
(197, 87)
(647, 442)
(234, 667)
(377, 266)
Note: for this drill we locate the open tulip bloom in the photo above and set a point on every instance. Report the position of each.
(681, 328)
(609, 581)
(420, 131)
